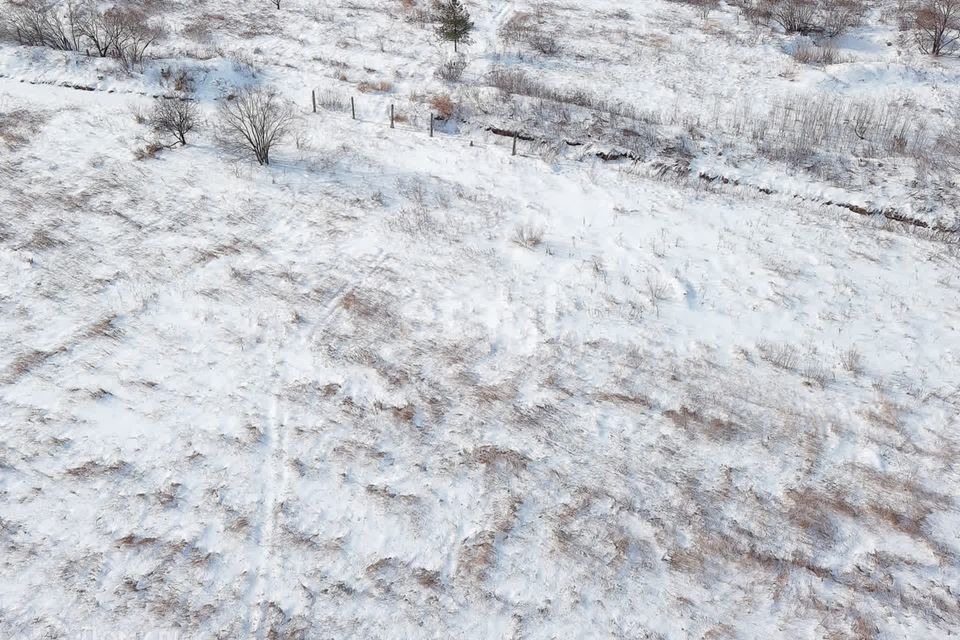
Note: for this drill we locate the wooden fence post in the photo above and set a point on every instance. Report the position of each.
(431, 124)
(515, 135)
(313, 96)
(391, 115)
(353, 109)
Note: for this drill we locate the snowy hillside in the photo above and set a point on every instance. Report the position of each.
(685, 366)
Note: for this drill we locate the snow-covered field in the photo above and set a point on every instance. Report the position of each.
(355, 394)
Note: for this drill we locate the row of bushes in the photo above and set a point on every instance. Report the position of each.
(809, 17)
(124, 33)
(797, 129)
(935, 24)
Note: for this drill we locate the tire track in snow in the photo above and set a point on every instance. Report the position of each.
(275, 462)
(271, 465)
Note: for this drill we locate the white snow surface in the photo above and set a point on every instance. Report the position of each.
(335, 397)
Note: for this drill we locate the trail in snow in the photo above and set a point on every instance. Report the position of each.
(275, 465)
(273, 480)
(499, 19)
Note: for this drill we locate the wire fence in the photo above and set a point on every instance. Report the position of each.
(389, 118)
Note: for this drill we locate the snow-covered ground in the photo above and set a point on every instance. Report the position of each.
(355, 394)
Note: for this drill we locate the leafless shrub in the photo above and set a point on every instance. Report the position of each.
(658, 291)
(420, 16)
(795, 16)
(517, 82)
(515, 30)
(824, 17)
(814, 54)
(198, 29)
(827, 17)
(598, 267)
(703, 7)
(544, 42)
(452, 70)
(852, 360)
(839, 16)
(937, 25)
(332, 101)
(255, 119)
(418, 222)
(514, 81)
(782, 356)
(528, 236)
(523, 28)
(175, 117)
(757, 12)
(138, 114)
(817, 374)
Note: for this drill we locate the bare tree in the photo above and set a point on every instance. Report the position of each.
(65, 26)
(44, 23)
(255, 118)
(28, 22)
(99, 28)
(134, 34)
(175, 117)
(937, 24)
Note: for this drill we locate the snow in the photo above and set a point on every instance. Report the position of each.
(333, 397)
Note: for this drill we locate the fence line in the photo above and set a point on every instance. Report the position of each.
(392, 120)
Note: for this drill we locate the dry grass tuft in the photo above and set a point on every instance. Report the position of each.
(477, 556)
(375, 86)
(528, 236)
(443, 105)
(498, 457)
(95, 468)
(782, 356)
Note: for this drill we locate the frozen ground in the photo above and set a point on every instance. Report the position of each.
(338, 397)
